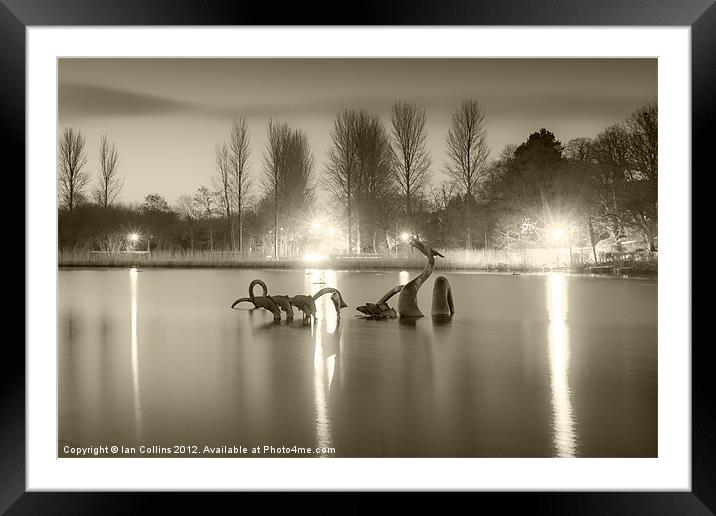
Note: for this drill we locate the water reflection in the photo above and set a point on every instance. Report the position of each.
(558, 336)
(326, 349)
(482, 385)
(133, 287)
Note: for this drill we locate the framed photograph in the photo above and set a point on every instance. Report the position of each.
(417, 253)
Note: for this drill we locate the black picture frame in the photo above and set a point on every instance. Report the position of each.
(17, 15)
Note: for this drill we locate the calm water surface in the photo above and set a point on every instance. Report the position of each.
(530, 366)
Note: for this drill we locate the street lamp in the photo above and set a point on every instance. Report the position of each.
(133, 239)
(558, 234)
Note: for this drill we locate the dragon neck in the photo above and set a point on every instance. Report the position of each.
(330, 290)
(427, 271)
(324, 291)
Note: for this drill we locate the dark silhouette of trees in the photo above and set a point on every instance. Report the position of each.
(536, 171)
(467, 153)
(536, 166)
(109, 184)
(72, 176)
(411, 158)
(530, 191)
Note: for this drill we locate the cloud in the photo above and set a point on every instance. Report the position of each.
(98, 101)
(91, 101)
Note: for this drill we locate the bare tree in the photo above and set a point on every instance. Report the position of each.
(578, 150)
(342, 166)
(375, 173)
(643, 176)
(359, 171)
(274, 158)
(241, 182)
(644, 142)
(186, 207)
(288, 176)
(467, 153)
(611, 153)
(223, 184)
(72, 178)
(109, 183)
(411, 157)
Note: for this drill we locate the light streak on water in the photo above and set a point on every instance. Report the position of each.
(563, 431)
(133, 286)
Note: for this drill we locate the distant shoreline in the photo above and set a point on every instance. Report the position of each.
(476, 262)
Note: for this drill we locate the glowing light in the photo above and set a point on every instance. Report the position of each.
(133, 237)
(331, 231)
(316, 226)
(313, 257)
(405, 236)
(558, 233)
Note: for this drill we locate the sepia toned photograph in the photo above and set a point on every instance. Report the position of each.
(357, 257)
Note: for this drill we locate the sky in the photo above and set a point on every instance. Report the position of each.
(167, 115)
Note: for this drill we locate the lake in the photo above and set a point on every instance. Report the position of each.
(531, 365)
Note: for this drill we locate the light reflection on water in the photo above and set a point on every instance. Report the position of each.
(530, 366)
(134, 345)
(558, 334)
(323, 359)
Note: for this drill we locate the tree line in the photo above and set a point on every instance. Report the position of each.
(381, 181)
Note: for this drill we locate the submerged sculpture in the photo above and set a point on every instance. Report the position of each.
(408, 299)
(270, 303)
(442, 298)
(380, 309)
(442, 305)
(307, 304)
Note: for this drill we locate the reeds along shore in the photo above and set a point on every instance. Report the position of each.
(455, 259)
